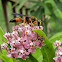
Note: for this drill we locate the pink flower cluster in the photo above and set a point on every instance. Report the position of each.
(22, 41)
(58, 57)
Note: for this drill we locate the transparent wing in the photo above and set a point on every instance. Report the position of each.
(22, 15)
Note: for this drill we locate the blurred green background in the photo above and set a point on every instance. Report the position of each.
(2, 20)
(49, 11)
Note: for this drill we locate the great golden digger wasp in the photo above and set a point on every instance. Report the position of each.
(28, 19)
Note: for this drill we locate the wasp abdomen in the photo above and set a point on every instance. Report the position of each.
(13, 20)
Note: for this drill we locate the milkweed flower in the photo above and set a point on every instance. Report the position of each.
(57, 43)
(7, 35)
(22, 41)
(4, 45)
(58, 57)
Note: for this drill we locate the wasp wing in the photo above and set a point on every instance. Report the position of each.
(21, 15)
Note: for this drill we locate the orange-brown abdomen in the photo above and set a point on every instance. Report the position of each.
(18, 19)
(35, 22)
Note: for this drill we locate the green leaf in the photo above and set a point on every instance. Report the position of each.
(47, 50)
(4, 51)
(34, 1)
(38, 13)
(21, 3)
(5, 58)
(60, 0)
(56, 10)
(14, 60)
(2, 39)
(48, 8)
(57, 36)
(35, 6)
(38, 55)
(30, 59)
(27, 60)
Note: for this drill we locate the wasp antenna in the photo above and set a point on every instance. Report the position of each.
(15, 14)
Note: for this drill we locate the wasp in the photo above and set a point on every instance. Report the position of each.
(28, 19)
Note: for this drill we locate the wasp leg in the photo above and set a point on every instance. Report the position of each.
(17, 23)
(31, 22)
(24, 21)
